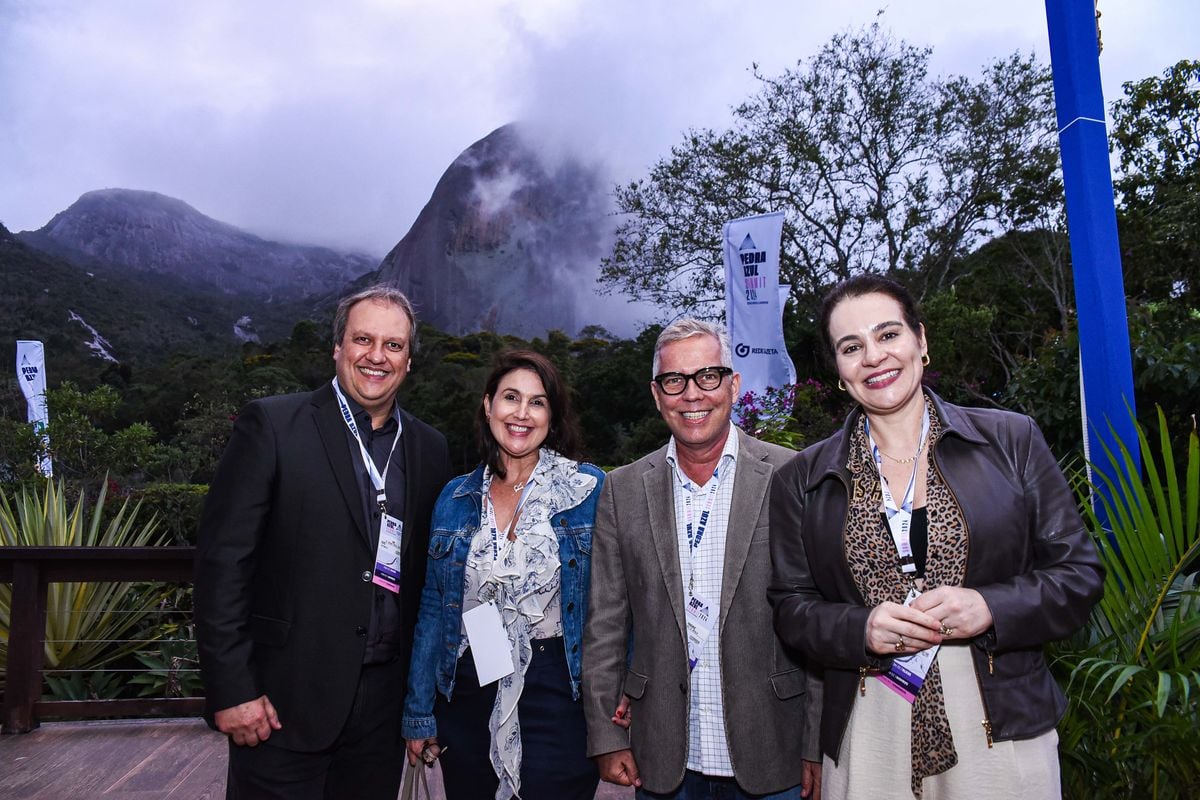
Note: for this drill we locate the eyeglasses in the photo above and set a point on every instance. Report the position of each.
(707, 379)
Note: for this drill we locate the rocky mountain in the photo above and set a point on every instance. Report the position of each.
(509, 241)
(90, 316)
(150, 233)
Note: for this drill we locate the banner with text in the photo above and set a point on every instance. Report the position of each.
(31, 374)
(754, 302)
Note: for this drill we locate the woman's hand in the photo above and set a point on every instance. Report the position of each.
(893, 629)
(426, 750)
(961, 613)
(623, 716)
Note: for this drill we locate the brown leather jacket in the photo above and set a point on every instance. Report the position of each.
(1029, 555)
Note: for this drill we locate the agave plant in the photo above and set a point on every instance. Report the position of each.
(87, 623)
(1134, 672)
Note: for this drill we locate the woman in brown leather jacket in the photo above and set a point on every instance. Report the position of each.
(923, 555)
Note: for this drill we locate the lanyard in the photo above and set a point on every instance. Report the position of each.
(899, 517)
(379, 481)
(491, 515)
(695, 531)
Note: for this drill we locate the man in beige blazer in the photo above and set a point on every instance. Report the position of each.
(686, 688)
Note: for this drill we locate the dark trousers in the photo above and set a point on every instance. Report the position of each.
(364, 762)
(696, 786)
(554, 762)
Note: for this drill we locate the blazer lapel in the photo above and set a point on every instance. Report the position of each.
(750, 485)
(660, 501)
(413, 474)
(337, 449)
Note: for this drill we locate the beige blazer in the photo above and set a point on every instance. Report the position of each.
(772, 705)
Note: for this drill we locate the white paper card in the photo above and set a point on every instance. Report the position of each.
(489, 643)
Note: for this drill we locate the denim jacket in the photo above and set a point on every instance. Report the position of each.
(439, 623)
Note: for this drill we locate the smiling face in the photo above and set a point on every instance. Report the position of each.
(518, 415)
(878, 356)
(372, 359)
(698, 420)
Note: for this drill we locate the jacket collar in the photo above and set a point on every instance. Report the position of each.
(831, 461)
(472, 484)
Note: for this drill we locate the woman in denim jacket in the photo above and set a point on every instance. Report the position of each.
(516, 535)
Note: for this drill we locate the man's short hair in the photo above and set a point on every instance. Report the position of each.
(686, 328)
(381, 292)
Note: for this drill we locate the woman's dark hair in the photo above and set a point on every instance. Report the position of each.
(858, 286)
(564, 436)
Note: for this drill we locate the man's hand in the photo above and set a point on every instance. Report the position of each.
(810, 780)
(249, 723)
(619, 767)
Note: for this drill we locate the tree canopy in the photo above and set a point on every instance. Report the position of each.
(877, 165)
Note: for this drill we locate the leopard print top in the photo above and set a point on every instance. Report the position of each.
(871, 556)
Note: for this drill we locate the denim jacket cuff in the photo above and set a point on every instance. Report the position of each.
(418, 727)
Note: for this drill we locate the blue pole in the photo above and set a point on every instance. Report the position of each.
(1106, 365)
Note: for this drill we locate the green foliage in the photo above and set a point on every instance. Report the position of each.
(177, 506)
(171, 671)
(793, 416)
(85, 621)
(877, 166)
(95, 685)
(1156, 134)
(1134, 673)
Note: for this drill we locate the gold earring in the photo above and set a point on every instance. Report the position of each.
(924, 359)
(841, 385)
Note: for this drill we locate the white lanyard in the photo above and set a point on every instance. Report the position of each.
(695, 531)
(491, 515)
(379, 481)
(899, 517)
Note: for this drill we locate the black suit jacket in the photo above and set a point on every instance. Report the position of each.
(284, 560)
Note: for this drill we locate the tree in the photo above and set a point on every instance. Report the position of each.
(1156, 135)
(877, 166)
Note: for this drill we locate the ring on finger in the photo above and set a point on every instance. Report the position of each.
(946, 630)
(900, 643)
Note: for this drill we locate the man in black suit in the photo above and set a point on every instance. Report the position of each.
(305, 620)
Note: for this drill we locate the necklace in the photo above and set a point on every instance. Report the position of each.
(911, 458)
(519, 485)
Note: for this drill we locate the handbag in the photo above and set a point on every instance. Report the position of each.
(415, 785)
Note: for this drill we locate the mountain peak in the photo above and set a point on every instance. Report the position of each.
(509, 241)
(145, 231)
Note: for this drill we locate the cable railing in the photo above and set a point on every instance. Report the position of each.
(162, 663)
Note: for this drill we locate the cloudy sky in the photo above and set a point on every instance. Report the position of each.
(330, 123)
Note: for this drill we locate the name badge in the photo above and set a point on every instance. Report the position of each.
(387, 555)
(489, 643)
(700, 623)
(907, 674)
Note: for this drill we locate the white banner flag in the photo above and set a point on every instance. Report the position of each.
(31, 374)
(754, 302)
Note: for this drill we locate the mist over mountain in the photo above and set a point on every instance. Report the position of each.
(147, 232)
(115, 280)
(510, 241)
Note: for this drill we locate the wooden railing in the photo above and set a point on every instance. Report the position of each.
(30, 570)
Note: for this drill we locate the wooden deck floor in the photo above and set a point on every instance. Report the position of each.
(175, 759)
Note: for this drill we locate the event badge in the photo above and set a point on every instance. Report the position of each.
(387, 555)
(700, 623)
(907, 674)
(489, 643)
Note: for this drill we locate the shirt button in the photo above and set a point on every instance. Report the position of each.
(571, 563)
(570, 606)
(366, 576)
